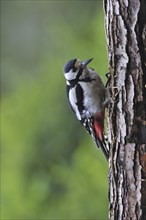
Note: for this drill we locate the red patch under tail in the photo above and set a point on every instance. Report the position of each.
(99, 125)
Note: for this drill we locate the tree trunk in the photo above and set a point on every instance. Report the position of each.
(126, 123)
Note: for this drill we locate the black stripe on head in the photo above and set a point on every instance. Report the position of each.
(69, 65)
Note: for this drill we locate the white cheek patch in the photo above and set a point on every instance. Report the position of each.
(73, 101)
(70, 75)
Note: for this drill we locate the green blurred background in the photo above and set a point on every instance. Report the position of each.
(50, 167)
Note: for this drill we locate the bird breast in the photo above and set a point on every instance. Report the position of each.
(93, 96)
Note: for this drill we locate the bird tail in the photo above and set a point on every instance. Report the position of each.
(95, 127)
(100, 139)
(103, 145)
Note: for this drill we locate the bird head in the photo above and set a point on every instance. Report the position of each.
(73, 67)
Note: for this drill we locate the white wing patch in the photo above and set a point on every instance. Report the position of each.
(73, 102)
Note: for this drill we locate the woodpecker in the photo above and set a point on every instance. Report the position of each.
(87, 97)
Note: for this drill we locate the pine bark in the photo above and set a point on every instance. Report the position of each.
(126, 122)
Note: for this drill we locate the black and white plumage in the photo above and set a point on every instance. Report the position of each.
(87, 96)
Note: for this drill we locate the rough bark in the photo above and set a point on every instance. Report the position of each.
(126, 40)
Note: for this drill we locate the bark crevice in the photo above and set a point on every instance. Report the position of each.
(126, 113)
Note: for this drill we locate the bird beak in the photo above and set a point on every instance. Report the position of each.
(85, 63)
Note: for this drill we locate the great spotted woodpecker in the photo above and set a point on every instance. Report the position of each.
(87, 97)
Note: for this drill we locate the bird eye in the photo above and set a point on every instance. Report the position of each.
(74, 69)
